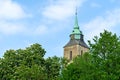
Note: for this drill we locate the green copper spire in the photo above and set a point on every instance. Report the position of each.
(76, 33)
(76, 26)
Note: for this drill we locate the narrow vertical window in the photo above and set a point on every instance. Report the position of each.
(70, 55)
(81, 52)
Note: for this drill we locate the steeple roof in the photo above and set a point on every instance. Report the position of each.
(76, 35)
(76, 26)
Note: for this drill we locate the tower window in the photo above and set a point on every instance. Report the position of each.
(70, 55)
(81, 52)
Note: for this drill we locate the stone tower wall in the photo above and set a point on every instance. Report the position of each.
(76, 50)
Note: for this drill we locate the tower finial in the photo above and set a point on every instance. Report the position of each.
(76, 11)
(76, 7)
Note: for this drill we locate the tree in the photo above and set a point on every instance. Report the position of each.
(25, 64)
(106, 45)
(106, 55)
(29, 64)
(53, 66)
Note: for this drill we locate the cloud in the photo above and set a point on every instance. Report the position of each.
(44, 29)
(10, 10)
(7, 28)
(110, 20)
(41, 30)
(61, 9)
(56, 10)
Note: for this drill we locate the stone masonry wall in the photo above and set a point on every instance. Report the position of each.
(76, 50)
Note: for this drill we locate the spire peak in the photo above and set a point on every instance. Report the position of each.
(76, 12)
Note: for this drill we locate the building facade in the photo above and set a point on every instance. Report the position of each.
(76, 45)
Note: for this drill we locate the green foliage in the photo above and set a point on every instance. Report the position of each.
(29, 64)
(35, 72)
(79, 69)
(106, 55)
(106, 45)
(52, 67)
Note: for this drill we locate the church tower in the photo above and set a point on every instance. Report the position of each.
(76, 45)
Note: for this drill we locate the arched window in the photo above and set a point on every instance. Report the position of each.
(70, 55)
